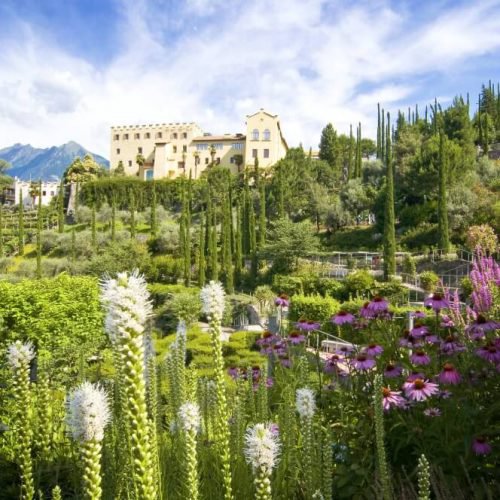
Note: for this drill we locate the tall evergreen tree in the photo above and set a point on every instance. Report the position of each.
(246, 219)
(328, 145)
(238, 250)
(379, 138)
(187, 235)
(359, 154)
(20, 224)
(39, 223)
(60, 208)
(214, 271)
(153, 222)
(382, 136)
(132, 214)
(262, 215)
(389, 219)
(73, 244)
(227, 258)
(93, 228)
(444, 237)
(253, 241)
(201, 253)
(281, 195)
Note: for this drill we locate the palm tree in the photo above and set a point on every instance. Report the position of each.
(34, 191)
(212, 152)
(238, 159)
(140, 160)
(196, 155)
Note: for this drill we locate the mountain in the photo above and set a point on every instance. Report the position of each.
(35, 163)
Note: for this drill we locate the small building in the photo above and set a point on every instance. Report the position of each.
(29, 190)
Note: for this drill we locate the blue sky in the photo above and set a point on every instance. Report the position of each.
(71, 69)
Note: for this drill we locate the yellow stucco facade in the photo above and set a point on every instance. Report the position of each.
(170, 150)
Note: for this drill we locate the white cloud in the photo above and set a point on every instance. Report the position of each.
(292, 58)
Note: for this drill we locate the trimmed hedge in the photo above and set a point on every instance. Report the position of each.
(313, 307)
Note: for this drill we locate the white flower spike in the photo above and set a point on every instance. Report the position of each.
(19, 354)
(213, 300)
(262, 448)
(189, 416)
(305, 402)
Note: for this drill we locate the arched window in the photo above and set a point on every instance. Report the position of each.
(255, 134)
(267, 135)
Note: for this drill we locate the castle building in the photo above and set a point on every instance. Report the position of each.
(174, 149)
(30, 192)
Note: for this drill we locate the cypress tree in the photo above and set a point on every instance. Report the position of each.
(153, 222)
(227, 256)
(187, 236)
(350, 173)
(379, 138)
(113, 218)
(281, 195)
(201, 253)
(20, 224)
(253, 241)
(1, 231)
(238, 255)
(132, 215)
(262, 215)
(382, 136)
(246, 219)
(358, 154)
(444, 237)
(389, 220)
(39, 223)
(214, 272)
(93, 228)
(60, 208)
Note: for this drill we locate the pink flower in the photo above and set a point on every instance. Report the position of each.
(373, 350)
(450, 345)
(480, 446)
(342, 317)
(345, 350)
(420, 358)
(363, 363)
(392, 371)
(366, 312)
(489, 352)
(418, 314)
(447, 322)
(392, 399)
(449, 375)
(282, 300)
(233, 372)
(432, 412)
(378, 305)
(331, 364)
(295, 337)
(419, 330)
(409, 340)
(436, 301)
(307, 325)
(477, 329)
(420, 389)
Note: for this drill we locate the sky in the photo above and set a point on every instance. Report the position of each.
(70, 69)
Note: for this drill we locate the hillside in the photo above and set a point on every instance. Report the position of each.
(36, 163)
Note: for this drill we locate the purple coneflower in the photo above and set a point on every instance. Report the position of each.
(420, 389)
(477, 329)
(295, 337)
(444, 394)
(378, 305)
(363, 363)
(446, 322)
(480, 446)
(373, 350)
(418, 314)
(451, 345)
(419, 330)
(366, 312)
(431, 338)
(489, 352)
(436, 301)
(449, 375)
(332, 362)
(391, 399)
(307, 325)
(233, 372)
(286, 362)
(409, 340)
(392, 371)
(282, 300)
(432, 412)
(342, 317)
(420, 358)
(345, 350)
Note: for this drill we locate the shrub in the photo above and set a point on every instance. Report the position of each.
(312, 307)
(482, 236)
(359, 283)
(265, 298)
(466, 287)
(185, 306)
(429, 280)
(291, 285)
(329, 287)
(409, 265)
(164, 269)
(420, 238)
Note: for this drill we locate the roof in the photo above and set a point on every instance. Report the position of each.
(261, 110)
(219, 138)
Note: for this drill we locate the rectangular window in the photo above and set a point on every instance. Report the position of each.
(158, 135)
(231, 160)
(254, 153)
(184, 135)
(217, 161)
(266, 153)
(130, 163)
(180, 164)
(139, 150)
(174, 149)
(174, 135)
(237, 145)
(206, 161)
(125, 137)
(218, 145)
(201, 147)
(149, 174)
(118, 151)
(184, 149)
(137, 136)
(44, 193)
(52, 193)
(116, 137)
(147, 135)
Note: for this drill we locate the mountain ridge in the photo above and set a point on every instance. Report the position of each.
(31, 163)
